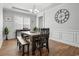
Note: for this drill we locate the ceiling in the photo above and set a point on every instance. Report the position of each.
(25, 6)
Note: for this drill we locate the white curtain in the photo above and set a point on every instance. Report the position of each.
(18, 22)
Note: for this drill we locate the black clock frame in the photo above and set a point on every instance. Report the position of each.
(66, 12)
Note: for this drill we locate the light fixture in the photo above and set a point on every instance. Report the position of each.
(33, 10)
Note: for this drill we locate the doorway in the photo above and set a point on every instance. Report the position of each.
(41, 22)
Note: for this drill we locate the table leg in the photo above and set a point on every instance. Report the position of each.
(23, 50)
(33, 46)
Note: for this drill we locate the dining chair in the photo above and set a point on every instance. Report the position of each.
(36, 44)
(45, 37)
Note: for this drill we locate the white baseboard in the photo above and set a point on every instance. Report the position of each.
(65, 42)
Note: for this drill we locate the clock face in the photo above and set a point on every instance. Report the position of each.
(62, 16)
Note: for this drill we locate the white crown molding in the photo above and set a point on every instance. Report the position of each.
(53, 5)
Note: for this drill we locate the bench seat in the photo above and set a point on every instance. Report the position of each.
(22, 44)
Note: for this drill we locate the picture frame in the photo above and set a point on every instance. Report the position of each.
(8, 19)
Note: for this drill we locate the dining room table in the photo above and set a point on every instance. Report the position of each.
(31, 34)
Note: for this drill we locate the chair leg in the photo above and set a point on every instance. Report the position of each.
(40, 47)
(47, 46)
(48, 49)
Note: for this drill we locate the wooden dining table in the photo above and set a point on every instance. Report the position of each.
(31, 34)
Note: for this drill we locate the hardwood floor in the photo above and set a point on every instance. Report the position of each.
(9, 48)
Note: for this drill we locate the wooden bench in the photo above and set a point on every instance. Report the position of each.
(19, 31)
(22, 44)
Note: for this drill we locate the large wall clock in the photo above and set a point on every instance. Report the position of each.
(62, 16)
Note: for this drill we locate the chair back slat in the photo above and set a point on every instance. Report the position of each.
(45, 32)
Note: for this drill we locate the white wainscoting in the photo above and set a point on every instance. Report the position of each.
(67, 37)
(77, 37)
(56, 35)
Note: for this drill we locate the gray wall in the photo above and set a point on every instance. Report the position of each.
(67, 32)
(1, 22)
(16, 21)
